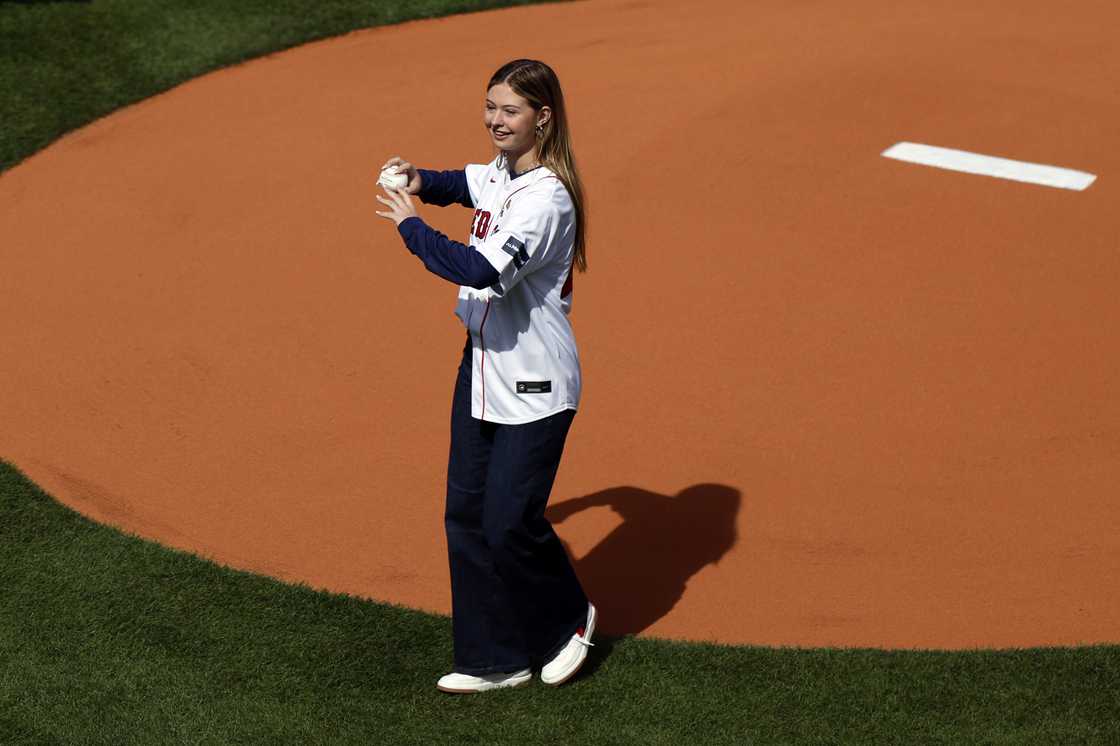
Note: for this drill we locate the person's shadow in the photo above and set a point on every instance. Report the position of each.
(639, 571)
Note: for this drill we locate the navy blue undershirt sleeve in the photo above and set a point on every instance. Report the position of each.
(451, 260)
(444, 188)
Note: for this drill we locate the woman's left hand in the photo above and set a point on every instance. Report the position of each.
(400, 206)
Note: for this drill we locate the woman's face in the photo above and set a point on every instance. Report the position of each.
(510, 120)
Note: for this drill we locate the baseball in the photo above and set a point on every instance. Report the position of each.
(390, 179)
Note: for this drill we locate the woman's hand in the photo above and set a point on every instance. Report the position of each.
(404, 167)
(400, 205)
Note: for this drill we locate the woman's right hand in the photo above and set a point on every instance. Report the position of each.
(404, 167)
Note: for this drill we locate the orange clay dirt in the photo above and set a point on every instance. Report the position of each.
(831, 398)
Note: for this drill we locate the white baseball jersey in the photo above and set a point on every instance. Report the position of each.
(526, 366)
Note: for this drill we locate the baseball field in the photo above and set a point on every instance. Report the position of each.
(843, 469)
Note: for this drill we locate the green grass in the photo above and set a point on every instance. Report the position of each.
(64, 64)
(105, 638)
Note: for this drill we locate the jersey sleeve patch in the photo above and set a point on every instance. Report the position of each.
(516, 249)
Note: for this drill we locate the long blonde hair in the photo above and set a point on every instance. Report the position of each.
(537, 83)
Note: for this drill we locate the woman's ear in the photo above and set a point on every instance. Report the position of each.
(544, 115)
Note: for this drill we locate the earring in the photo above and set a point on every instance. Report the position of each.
(540, 131)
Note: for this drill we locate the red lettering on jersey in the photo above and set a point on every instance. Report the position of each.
(480, 224)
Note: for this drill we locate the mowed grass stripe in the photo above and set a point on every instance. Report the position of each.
(105, 638)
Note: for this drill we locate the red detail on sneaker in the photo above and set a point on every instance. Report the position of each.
(580, 631)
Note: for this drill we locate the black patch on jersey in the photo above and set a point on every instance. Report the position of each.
(521, 258)
(516, 249)
(534, 387)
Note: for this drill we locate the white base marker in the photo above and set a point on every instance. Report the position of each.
(987, 165)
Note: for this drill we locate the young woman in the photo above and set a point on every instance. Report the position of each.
(516, 602)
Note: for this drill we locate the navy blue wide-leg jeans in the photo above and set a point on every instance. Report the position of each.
(515, 598)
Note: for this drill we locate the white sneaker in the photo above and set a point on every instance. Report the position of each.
(568, 661)
(463, 683)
